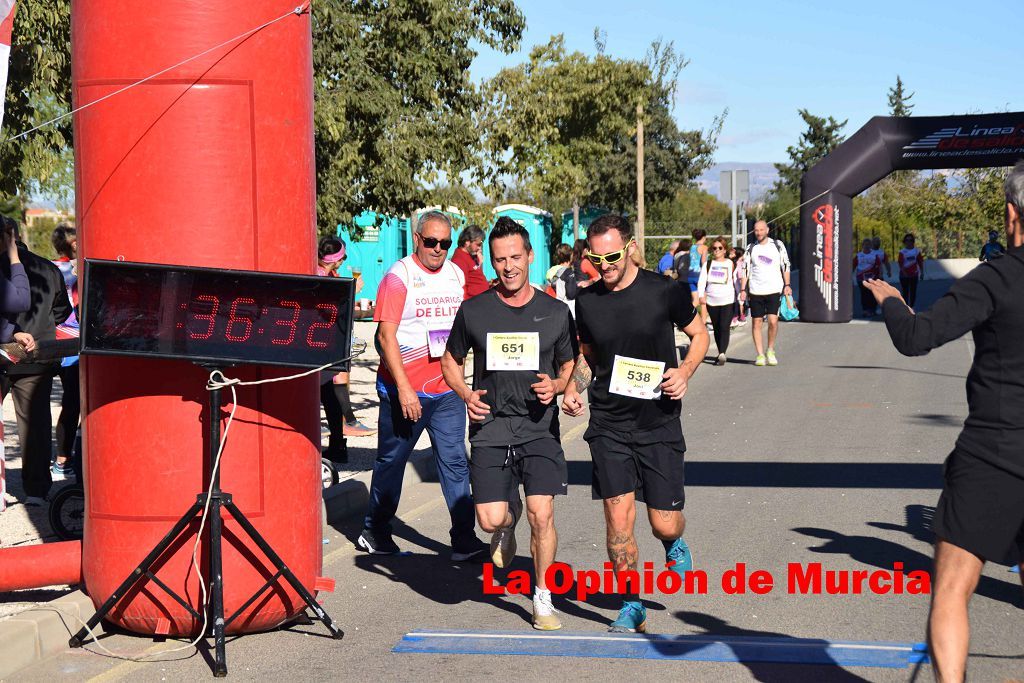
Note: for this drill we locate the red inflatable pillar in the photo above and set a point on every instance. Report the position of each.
(208, 164)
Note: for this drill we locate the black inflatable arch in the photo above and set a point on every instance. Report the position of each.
(883, 145)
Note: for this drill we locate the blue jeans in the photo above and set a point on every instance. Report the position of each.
(444, 418)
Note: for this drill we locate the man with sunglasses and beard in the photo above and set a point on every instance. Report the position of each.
(626, 323)
(416, 305)
(524, 348)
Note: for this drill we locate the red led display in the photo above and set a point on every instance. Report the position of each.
(214, 316)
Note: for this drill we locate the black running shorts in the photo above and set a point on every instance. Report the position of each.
(495, 471)
(653, 471)
(981, 509)
(764, 304)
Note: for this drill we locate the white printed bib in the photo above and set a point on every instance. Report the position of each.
(437, 340)
(718, 274)
(636, 378)
(513, 351)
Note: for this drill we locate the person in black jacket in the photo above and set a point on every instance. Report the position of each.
(30, 383)
(980, 514)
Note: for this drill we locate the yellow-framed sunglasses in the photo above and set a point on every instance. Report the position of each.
(610, 258)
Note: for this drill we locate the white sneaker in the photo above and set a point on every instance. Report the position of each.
(544, 618)
(721, 359)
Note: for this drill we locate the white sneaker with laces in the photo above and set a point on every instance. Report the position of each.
(544, 618)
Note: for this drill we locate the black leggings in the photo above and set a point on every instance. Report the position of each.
(338, 409)
(867, 299)
(909, 287)
(70, 411)
(721, 317)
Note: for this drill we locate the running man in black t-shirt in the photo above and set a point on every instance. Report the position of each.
(524, 347)
(627, 327)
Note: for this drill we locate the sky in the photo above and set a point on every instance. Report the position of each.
(765, 60)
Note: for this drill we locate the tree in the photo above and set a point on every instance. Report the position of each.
(394, 103)
(950, 213)
(672, 158)
(899, 101)
(477, 212)
(821, 137)
(690, 208)
(38, 88)
(563, 125)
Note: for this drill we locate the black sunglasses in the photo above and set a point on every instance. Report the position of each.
(431, 242)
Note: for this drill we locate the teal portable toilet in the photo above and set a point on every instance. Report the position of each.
(454, 213)
(539, 224)
(588, 214)
(382, 242)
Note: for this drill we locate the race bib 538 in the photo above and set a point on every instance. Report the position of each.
(636, 378)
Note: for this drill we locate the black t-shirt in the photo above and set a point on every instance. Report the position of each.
(636, 322)
(986, 302)
(517, 416)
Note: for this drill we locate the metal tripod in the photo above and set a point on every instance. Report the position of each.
(218, 500)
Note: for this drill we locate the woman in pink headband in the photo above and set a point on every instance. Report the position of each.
(331, 254)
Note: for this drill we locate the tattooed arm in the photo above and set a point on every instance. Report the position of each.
(572, 402)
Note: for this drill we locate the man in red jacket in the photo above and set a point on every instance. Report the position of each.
(467, 258)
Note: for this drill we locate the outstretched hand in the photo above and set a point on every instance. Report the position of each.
(882, 290)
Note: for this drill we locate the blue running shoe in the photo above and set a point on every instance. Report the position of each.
(59, 471)
(679, 553)
(632, 619)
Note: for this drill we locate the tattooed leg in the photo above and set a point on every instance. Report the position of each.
(620, 517)
(666, 525)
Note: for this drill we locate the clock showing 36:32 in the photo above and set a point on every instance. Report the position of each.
(215, 315)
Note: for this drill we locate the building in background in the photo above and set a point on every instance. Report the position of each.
(588, 214)
(539, 224)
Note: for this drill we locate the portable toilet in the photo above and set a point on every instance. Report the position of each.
(383, 240)
(588, 214)
(539, 225)
(458, 219)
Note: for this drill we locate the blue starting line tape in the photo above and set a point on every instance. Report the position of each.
(705, 648)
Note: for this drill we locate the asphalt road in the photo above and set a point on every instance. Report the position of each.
(835, 456)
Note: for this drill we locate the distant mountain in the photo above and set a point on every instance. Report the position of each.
(762, 177)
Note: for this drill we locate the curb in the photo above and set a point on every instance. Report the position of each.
(44, 630)
(41, 631)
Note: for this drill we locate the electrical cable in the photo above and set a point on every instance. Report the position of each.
(786, 213)
(217, 380)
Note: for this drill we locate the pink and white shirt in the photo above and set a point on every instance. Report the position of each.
(423, 303)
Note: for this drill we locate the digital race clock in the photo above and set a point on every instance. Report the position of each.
(215, 316)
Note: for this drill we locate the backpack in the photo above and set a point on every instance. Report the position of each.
(559, 284)
(681, 264)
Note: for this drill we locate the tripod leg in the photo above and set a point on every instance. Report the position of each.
(279, 564)
(137, 574)
(216, 607)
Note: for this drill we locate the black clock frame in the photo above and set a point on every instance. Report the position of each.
(96, 271)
